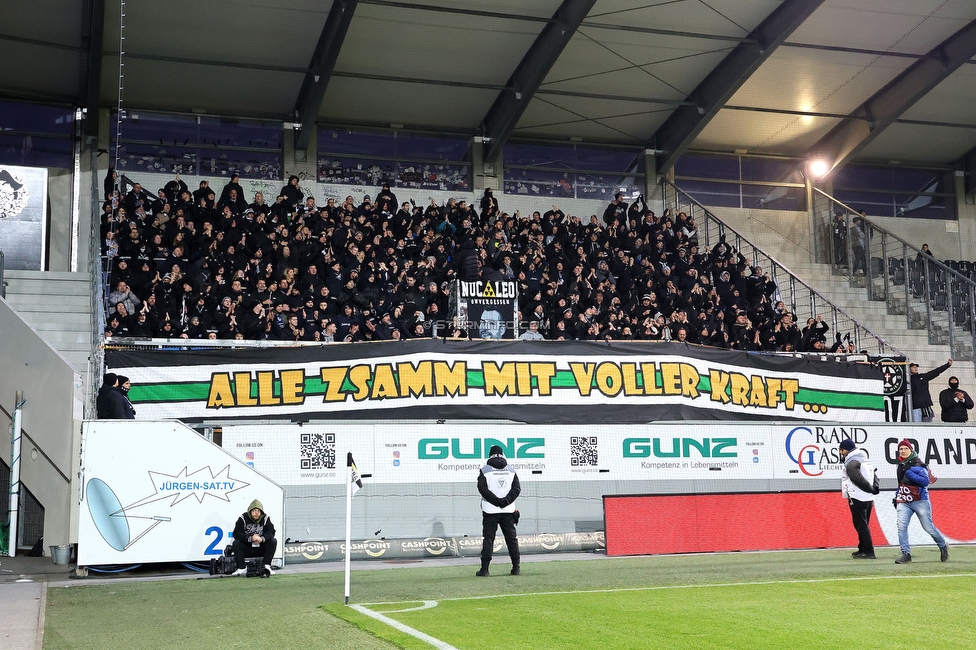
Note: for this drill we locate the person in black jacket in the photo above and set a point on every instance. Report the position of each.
(254, 536)
(499, 487)
(292, 193)
(955, 402)
(110, 404)
(921, 398)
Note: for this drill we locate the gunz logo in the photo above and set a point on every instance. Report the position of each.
(441, 448)
(680, 448)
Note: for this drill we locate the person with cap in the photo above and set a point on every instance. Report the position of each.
(921, 398)
(254, 536)
(124, 386)
(859, 486)
(913, 498)
(955, 402)
(499, 486)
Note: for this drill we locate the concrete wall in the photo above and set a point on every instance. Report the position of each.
(779, 233)
(50, 419)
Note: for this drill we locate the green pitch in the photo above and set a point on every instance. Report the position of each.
(811, 599)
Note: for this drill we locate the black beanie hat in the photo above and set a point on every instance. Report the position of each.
(847, 444)
(495, 451)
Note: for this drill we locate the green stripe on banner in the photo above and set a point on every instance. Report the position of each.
(169, 392)
(199, 391)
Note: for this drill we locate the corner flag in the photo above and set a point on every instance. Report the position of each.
(352, 487)
(355, 480)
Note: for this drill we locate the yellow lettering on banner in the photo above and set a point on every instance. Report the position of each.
(671, 378)
(417, 382)
(543, 372)
(523, 379)
(451, 381)
(499, 379)
(790, 388)
(292, 386)
(689, 380)
(629, 372)
(651, 387)
(384, 385)
(221, 394)
(609, 379)
(242, 389)
(740, 389)
(720, 385)
(773, 386)
(359, 377)
(583, 374)
(333, 378)
(758, 396)
(266, 396)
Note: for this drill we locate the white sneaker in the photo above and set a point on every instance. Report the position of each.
(267, 567)
(240, 572)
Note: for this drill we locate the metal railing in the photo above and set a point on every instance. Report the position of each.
(3, 285)
(97, 277)
(938, 297)
(802, 299)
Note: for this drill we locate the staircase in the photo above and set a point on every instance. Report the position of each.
(875, 314)
(58, 307)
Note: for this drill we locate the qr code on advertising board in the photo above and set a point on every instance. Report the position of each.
(582, 451)
(318, 450)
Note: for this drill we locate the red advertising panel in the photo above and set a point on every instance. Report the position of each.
(645, 525)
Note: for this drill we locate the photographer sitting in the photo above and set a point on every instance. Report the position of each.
(254, 536)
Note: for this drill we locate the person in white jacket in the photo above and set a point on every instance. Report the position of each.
(499, 487)
(858, 486)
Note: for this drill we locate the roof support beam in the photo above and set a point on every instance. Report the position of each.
(683, 126)
(91, 69)
(504, 114)
(872, 117)
(320, 69)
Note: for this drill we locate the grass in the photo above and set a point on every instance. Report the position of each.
(755, 600)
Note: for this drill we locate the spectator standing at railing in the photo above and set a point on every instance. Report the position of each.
(839, 235)
(921, 398)
(955, 402)
(858, 238)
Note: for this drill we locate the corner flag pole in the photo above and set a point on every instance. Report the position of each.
(349, 480)
(353, 485)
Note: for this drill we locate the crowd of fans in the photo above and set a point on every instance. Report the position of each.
(206, 264)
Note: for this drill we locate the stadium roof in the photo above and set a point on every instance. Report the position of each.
(879, 80)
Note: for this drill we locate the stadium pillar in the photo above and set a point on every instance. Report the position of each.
(484, 174)
(15, 446)
(652, 184)
(301, 163)
(812, 219)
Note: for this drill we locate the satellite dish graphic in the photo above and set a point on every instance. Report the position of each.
(108, 515)
(117, 523)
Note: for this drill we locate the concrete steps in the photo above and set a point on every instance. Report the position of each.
(57, 306)
(891, 323)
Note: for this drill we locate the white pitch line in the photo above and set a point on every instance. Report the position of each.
(406, 629)
(701, 586)
(427, 604)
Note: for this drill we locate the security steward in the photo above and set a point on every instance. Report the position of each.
(499, 487)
